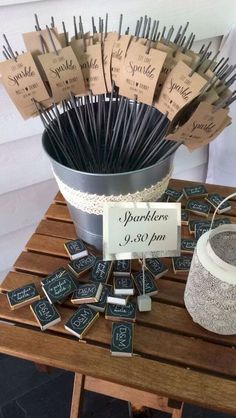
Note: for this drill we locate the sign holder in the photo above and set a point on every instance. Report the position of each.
(139, 230)
(144, 301)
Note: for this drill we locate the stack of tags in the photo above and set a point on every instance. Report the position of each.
(123, 286)
(154, 68)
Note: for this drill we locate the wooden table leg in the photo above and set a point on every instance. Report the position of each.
(77, 396)
(177, 413)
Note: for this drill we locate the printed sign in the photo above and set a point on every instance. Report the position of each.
(133, 229)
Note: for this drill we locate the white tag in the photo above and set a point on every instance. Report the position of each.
(133, 229)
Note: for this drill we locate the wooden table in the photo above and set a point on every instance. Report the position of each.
(176, 359)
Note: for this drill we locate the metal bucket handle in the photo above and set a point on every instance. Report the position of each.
(222, 228)
(221, 203)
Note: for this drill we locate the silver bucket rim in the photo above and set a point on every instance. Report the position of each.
(158, 163)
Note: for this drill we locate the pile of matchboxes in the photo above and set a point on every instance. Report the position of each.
(104, 287)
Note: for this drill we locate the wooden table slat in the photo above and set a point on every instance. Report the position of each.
(198, 388)
(164, 316)
(39, 263)
(57, 229)
(47, 245)
(163, 345)
(167, 338)
(168, 291)
(55, 246)
(61, 213)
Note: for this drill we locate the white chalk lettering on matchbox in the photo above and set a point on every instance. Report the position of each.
(26, 293)
(133, 229)
(45, 311)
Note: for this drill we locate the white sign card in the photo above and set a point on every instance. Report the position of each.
(134, 229)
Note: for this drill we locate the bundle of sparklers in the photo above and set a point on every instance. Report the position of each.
(113, 102)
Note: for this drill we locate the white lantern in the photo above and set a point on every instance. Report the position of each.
(210, 294)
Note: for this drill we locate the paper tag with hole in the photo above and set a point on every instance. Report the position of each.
(63, 73)
(23, 83)
(179, 89)
(141, 71)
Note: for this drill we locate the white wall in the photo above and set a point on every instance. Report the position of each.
(26, 184)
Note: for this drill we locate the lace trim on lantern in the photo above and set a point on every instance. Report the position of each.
(93, 203)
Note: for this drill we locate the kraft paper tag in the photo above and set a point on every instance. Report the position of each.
(80, 36)
(92, 68)
(118, 55)
(165, 70)
(23, 83)
(179, 56)
(141, 72)
(33, 43)
(63, 73)
(173, 57)
(202, 127)
(78, 47)
(226, 94)
(97, 37)
(164, 48)
(141, 41)
(62, 39)
(107, 56)
(210, 96)
(179, 89)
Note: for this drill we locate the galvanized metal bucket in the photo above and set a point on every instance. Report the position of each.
(88, 225)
